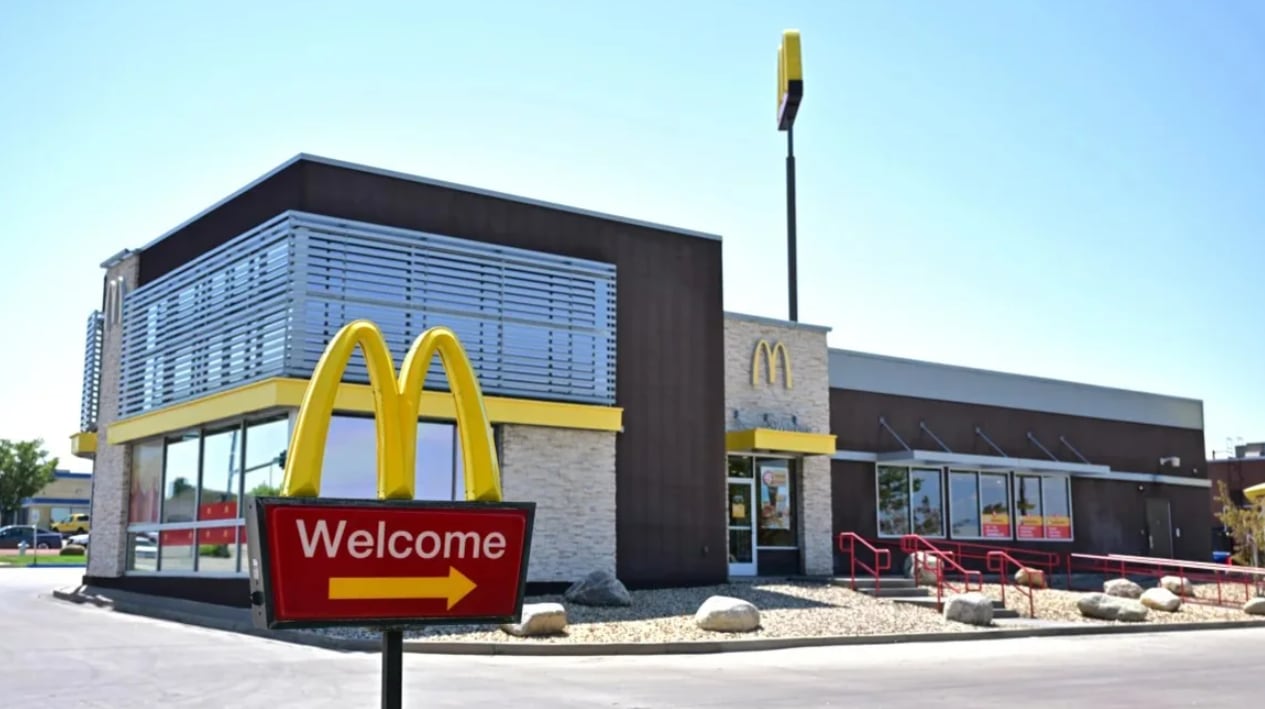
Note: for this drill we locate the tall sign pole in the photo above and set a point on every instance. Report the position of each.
(790, 91)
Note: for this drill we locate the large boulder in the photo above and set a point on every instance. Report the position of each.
(969, 608)
(723, 614)
(1255, 606)
(1032, 578)
(1105, 607)
(1161, 599)
(599, 588)
(1124, 588)
(1177, 585)
(539, 619)
(926, 567)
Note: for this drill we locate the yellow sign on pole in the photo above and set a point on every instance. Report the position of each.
(790, 80)
(396, 403)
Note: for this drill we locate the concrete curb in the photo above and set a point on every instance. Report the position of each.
(203, 615)
(238, 621)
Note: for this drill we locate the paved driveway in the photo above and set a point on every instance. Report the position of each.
(54, 654)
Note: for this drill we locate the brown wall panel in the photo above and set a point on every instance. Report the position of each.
(671, 455)
(1130, 447)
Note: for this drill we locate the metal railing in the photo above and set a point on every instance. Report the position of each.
(1221, 577)
(917, 547)
(999, 562)
(882, 558)
(265, 303)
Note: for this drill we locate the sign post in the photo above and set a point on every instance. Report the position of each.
(35, 536)
(392, 563)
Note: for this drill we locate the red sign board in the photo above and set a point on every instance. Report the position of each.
(324, 562)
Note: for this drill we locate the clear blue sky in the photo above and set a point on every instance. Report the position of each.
(1070, 189)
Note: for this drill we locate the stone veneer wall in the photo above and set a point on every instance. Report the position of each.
(111, 471)
(808, 400)
(570, 475)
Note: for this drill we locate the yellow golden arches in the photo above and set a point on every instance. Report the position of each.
(396, 404)
(771, 356)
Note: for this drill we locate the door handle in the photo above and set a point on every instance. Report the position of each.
(1150, 539)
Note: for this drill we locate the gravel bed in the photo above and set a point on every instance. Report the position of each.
(787, 609)
(1054, 604)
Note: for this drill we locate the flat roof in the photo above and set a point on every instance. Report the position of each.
(883, 374)
(318, 159)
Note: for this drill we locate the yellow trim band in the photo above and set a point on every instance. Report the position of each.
(1255, 492)
(768, 439)
(83, 444)
(285, 392)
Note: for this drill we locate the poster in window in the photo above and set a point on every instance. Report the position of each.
(1030, 527)
(1058, 527)
(996, 525)
(775, 498)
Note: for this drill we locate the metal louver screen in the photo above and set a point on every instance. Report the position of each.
(266, 303)
(534, 325)
(89, 406)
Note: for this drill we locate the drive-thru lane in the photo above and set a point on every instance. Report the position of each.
(58, 654)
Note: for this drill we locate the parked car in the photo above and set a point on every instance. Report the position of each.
(77, 523)
(80, 539)
(11, 537)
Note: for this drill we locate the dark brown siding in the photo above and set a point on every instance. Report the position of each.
(1109, 516)
(1131, 447)
(671, 455)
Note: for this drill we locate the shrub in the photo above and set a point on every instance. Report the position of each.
(73, 550)
(218, 551)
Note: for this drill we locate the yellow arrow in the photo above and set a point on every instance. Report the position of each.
(454, 587)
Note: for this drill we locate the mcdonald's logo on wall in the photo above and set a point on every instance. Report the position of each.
(771, 355)
(319, 562)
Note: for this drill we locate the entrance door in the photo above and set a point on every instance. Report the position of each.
(741, 504)
(1159, 527)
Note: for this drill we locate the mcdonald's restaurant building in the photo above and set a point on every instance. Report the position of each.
(661, 437)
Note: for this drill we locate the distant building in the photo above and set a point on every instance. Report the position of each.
(67, 494)
(1245, 469)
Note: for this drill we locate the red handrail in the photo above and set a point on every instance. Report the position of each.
(1251, 578)
(882, 558)
(997, 561)
(913, 543)
(1047, 561)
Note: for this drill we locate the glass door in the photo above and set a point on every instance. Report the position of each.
(742, 518)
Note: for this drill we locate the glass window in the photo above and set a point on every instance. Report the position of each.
(266, 442)
(1057, 507)
(221, 462)
(350, 469)
(994, 493)
(777, 520)
(142, 551)
(181, 479)
(964, 506)
(1028, 507)
(893, 501)
(145, 496)
(927, 502)
(175, 550)
(740, 466)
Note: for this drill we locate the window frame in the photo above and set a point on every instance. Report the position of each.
(1041, 482)
(909, 509)
(978, 473)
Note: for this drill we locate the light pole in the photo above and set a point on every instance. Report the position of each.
(790, 91)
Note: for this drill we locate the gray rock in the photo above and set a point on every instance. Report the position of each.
(927, 565)
(539, 619)
(1177, 585)
(1255, 606)
(1032, 578)
(1161, 599)
(599, 588)
(724, 614)
(1106, 607)
(969, 608)
(1124, 588)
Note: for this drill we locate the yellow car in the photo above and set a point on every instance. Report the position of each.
(74, 524)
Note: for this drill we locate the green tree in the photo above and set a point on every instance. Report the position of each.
(264, 490)
(1245, 523)
(25, 469)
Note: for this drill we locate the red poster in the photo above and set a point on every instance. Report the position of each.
(997, 526)
(1030, 527)
(1058, 527)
